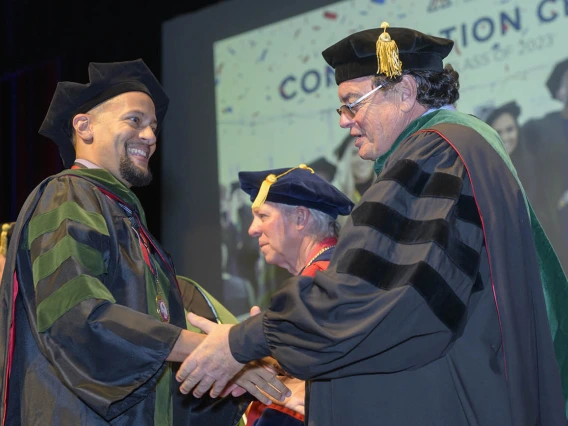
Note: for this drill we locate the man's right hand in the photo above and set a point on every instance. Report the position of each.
(296, 402)
(212, 365)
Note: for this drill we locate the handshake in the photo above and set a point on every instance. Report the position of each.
(210, 366)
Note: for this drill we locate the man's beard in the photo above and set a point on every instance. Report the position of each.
(132, 174)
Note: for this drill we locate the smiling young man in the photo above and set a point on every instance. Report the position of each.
(431, 311)
(93, 321)
(125, 129)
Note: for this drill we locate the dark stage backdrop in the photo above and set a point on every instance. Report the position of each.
(43, 42)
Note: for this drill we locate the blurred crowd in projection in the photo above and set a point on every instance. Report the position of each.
(538, 149)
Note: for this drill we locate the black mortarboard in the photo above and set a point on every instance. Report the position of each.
(510, 107)
(357, 55)
(106, 80)
(298, 186)
(555, 79)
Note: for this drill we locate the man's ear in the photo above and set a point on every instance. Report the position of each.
(408, 90)
(302, 216)
(82, 125)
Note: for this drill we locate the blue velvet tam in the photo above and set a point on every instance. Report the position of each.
(357, 55)
(298, 186)
(106, 80)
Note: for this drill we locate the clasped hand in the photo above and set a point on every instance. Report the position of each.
(211, 366)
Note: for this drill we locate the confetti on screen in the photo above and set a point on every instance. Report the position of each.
(273, 80)
(330, 15)
(263, 55)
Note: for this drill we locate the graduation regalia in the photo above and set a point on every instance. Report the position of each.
(91, 307)
(298, 186)
(90, 345)
(433, 310)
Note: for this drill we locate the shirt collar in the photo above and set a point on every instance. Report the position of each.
(88, 164)
(380, 162)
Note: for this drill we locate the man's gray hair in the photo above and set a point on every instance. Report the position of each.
(321, 225)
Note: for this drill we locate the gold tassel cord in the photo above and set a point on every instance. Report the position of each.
(387, 54)
(4, 239)
(304, 167)
(269, 181)
(263, 191)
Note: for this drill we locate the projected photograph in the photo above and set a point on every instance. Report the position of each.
(276, 102)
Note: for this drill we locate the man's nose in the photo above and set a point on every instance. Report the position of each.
(147, 134)
(253, 230)
(345, 121)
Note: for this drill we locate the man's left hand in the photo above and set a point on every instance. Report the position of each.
(211, 365)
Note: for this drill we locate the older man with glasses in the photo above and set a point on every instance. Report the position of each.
(432, 311)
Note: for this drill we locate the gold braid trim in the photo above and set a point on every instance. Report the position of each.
(4, 238)
(267, 183)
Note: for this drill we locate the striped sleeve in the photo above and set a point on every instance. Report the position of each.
(68, 244)
(396, 292)
(109, 354)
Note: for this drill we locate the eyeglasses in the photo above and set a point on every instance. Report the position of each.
(349, 109)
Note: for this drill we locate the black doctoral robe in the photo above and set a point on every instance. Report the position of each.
(432, 311)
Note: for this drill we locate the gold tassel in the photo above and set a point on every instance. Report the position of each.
(267, 183)
(263, 191)
(387, 55)
(4, 239)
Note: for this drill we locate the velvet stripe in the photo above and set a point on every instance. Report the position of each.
(466, 210)
(80, 288)
(478, 284)
(437, 293)
(47, 263)
(422, 184)
(407, 231)
(50, 221)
